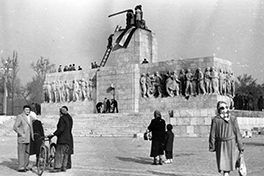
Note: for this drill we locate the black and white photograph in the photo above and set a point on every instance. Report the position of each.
(132, 87)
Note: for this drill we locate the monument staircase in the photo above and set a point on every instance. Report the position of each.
(103, 125)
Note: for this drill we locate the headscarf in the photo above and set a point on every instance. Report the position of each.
(157, 114)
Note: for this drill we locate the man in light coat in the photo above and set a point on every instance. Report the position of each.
(24, 130)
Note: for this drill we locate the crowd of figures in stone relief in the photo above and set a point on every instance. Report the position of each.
(188, 83)
(68, 90)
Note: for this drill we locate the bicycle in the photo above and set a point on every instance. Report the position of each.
(46, 155)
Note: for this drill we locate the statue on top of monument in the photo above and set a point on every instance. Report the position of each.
(138, 16)
(133, 19)
(130, 19)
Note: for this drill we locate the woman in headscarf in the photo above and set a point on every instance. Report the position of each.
(157, 127)
(225, 139)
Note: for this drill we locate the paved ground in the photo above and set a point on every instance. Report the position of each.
(99, 156)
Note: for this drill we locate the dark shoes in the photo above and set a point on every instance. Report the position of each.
(55, 170)
(58, 170)
(155, 162)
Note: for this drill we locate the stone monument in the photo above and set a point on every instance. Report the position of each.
(187, 88)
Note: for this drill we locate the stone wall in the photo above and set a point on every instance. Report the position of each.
(125, 82)
(187, 63)
(79, 106)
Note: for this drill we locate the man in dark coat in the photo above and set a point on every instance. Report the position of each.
(157, 127)
(114, 106)
(64, 140)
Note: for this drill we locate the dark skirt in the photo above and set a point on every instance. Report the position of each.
(157, 148)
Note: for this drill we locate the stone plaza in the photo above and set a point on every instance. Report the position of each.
(104, 156)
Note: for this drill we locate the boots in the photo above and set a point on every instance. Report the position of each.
(155, 162)
(160, 161)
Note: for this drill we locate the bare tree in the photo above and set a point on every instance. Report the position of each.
(42, 67)
(33, 91)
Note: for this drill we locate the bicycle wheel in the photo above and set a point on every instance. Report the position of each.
(42, 160)
(52, 154)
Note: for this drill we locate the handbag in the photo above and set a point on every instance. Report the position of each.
(147, 136)
(241, 165)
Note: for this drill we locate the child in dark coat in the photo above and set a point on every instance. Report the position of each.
(169, 144)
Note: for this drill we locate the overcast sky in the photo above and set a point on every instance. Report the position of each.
(76, 31)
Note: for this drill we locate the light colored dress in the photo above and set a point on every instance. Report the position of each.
(225, 139)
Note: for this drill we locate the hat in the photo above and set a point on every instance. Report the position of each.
(63, 110)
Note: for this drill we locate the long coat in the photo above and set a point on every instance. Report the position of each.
(225, 139)
(38, 133)
(23, 128)
(157, 127)
(64, 131)
(169, 138)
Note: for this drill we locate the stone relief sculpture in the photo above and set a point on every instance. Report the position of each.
(149, 85)
(143, 85)
(172, 86)
(76, 90)
(83, 86)
(207, 80)
(212, 81)
(157, 84)
(67, 90)
(200, 81)
(189, 87)
(182, 82)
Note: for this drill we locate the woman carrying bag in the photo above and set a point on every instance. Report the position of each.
(225, 139)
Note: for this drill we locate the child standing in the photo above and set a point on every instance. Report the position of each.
(169, 144)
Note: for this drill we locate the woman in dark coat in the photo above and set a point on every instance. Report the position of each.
(225, 139)
(38, 137)
(157, 127)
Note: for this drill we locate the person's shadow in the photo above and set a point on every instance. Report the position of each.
(139, 160)
(12, 163)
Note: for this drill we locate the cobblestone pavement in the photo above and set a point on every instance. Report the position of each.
(101, 156)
